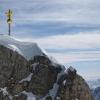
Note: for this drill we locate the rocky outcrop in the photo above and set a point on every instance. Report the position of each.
(42, 79)
(38, 78)
(12, 66)
(44, 75)
(74, 87)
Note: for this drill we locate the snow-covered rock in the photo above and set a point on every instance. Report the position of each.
(28, 73)
(28, 78)
(26, 49)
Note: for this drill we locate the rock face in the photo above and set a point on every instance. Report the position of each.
(12, 66)
(38, 79)
(74, 87)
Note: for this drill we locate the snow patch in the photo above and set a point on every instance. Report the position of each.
(34, 66)
(27, 78)
(29, 95)
(5, 92)
(58, 98)
(14, 48)
(64, 82)
(54, 91)
(76, 99)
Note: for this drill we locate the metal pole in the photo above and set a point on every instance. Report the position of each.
(9, 31)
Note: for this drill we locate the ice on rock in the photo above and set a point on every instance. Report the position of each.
(28, 78)
(4, 90)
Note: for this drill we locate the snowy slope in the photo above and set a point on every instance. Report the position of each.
(26, 49)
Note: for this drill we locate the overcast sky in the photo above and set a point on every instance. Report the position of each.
(69, 30)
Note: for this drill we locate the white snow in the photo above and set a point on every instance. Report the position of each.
(30, 95)
(34, 66)
(64, 82)
(58, 98)
(14, 48)
(27, 78)
(76, 99)
(5, 92)
(26, 49)
(54, 90)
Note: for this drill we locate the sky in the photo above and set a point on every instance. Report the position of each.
(69, 30)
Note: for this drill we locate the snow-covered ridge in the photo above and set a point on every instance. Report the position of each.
(26, 49)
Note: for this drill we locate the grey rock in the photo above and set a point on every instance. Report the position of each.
(74, 88)
(12, 66)
(42, 80)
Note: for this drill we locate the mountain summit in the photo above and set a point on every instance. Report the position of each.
(27, 73)
(26, 49)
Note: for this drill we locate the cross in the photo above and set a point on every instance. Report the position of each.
(9, 20)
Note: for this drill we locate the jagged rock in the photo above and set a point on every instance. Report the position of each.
(74, 87)
(16, 89)
(42, 80)
(12, 65)
(41, 60)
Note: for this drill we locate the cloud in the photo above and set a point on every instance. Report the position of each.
(71, 48)
(68, 29)
(56, 21)
(88, 69)
(53, 16)
(64, 10)
(71, 57)
(77, 41)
